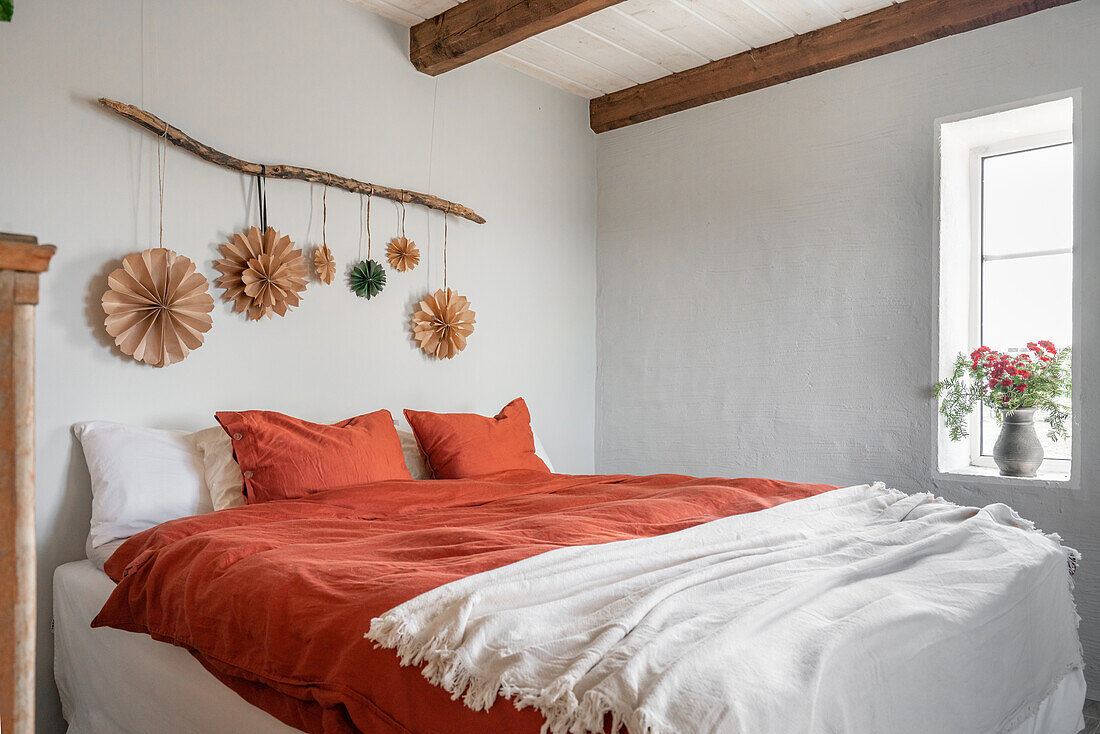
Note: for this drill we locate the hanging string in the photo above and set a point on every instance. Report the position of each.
(360, 226)
(368, 225)
(261, 195)
(402, 217)
(162, 158)
(444, 252)
(324, 217)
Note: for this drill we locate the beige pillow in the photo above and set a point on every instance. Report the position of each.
(223, 476)
(413, 458)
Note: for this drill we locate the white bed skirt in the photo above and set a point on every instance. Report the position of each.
(125, 683)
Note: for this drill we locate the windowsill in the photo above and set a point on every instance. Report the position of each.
(988, 475)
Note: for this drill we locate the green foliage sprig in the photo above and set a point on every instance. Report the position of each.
(7, 8)
(1038, 378)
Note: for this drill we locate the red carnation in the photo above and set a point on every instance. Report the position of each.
(1021, 387)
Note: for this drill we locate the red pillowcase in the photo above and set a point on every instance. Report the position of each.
(283, 457)
(461, 445)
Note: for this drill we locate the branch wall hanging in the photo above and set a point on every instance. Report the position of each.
(177, 137)
(367, 278)
(157, 306)
(444, 321)
(401, 251)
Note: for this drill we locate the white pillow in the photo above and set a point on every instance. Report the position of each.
(419, 469)
(220, 469)
(141, 477)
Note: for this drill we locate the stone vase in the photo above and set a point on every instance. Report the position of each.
(1018, 452)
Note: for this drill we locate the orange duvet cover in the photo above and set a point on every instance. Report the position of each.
(274, 598)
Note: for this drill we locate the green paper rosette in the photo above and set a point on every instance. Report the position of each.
(367, 279)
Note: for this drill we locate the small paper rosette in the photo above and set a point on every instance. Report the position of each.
(403, 254)
(367, 279)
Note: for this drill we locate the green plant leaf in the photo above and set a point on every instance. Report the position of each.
(7, 7)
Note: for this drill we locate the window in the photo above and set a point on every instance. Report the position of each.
(1026, 283)
(1006, 251)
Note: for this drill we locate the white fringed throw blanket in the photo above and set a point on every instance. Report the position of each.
(858, 610)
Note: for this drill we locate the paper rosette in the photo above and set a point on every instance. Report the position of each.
(367, 279)
(403, 254)
(157, 306)
(324, 264)
(443, 324)
(261, 273)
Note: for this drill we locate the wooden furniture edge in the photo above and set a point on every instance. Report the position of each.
(23, 253)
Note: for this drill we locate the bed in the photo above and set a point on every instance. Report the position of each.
(274, 601)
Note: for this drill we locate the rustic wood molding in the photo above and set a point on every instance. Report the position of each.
(180, 139)
(476, 28)
(23, 253)
(21, 261)
(884, 31)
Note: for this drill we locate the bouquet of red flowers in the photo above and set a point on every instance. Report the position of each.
(1038, 378)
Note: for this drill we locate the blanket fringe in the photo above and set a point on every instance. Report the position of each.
(446, 668)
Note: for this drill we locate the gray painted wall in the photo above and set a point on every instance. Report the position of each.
(767, 277)
(326, 84)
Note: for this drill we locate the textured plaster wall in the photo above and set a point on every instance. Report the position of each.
(767, 299)
(325, 84)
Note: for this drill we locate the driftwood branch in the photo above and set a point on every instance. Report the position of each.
(177, 137)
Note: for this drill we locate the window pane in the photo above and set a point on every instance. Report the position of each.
(1027, 299)
(1027, 201)
(1023, 300)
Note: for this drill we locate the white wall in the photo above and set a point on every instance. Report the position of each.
(325, 84)
(766, 269)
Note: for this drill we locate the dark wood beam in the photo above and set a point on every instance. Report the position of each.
(477, 28)
(884, 31)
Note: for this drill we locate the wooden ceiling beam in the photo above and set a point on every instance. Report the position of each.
(476, 28)
(884, 31)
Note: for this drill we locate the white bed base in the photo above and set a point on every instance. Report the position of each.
(125, 683)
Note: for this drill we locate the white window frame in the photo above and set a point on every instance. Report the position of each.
(958, 322)
(978, 154)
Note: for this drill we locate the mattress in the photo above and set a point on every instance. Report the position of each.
(113, 681)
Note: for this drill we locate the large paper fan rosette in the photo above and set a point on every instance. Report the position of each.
(443, 324)
(157, 306)
(261, 273)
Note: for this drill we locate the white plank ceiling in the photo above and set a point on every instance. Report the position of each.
(641, 40)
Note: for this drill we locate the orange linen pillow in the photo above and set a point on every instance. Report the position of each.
(462, 445)
(283, 457)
